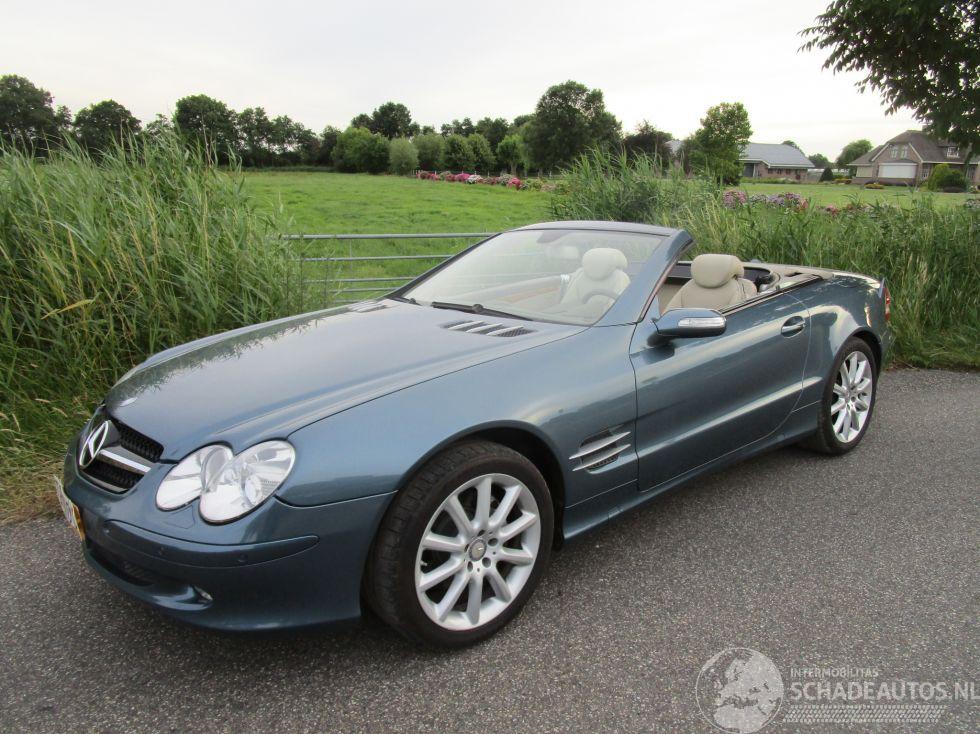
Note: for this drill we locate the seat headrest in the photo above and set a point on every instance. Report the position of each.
(600, 262)
(713, 271)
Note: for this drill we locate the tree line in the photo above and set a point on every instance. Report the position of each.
(567, 120)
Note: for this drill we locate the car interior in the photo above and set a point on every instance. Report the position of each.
(591, 278)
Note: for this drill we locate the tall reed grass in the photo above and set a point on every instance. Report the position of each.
(103, 262)
(930, 255)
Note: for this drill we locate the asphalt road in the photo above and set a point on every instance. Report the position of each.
(870, 560)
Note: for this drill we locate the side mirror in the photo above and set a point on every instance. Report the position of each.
(685, 323)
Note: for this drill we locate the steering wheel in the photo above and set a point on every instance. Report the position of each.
(600, 292)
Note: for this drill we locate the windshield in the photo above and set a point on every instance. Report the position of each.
(568, 276)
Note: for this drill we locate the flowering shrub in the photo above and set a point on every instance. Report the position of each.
(734, 198)
(972, 204)
(474, 178)
(831, 209)
(781, 201)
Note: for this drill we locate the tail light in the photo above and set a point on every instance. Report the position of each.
(888, 304)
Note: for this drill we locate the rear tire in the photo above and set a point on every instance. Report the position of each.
(848, 400)
(462, 546)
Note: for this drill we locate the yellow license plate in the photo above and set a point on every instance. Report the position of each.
(73, 516)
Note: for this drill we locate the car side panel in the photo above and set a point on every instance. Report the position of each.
(702, 398)
(839, 308)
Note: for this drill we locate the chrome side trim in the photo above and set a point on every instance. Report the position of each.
(602, 443)
(610, 453)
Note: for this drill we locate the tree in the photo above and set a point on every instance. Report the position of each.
(852, 151)
(291, 141)
(650, 141)
(718, 143)
(919, 54)
(483, 157)
(392, 119)
(328, 139)
(158, 127)
(819, 160)
(520, 121)
(28, 118)
(430, 148)
(511, 152)
(255, 132)
(402, 157)
(427, 130)
(360, 150)
(458, 155)
(207, 122)
(462, 127)
(362, 120)
(945, 177)
(568, 119)
(827, 175)
(104, 124)
(493, 129)
(792, 144)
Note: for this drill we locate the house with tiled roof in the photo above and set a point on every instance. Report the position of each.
(774, 160)
(909, 158)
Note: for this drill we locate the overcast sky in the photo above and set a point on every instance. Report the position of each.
(323, 62)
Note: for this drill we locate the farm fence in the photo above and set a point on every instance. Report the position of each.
(334, 269)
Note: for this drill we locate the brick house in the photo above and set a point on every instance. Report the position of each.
(774, 160)
(909, 158)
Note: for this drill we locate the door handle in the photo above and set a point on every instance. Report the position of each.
(793, 326)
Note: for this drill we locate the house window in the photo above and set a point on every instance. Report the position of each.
(894, 152)
(952, 152)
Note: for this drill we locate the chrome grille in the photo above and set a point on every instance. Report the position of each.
(115, 456)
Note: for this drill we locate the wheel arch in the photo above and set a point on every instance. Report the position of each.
(525, 440)
(874, 344)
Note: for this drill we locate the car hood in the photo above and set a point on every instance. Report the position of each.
(268, 380)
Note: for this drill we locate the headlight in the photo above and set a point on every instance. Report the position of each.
(187, 480)
(246, 481)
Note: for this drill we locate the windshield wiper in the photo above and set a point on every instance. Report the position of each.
(476, 308)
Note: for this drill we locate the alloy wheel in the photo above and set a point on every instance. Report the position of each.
(853, 388)
(477, 552)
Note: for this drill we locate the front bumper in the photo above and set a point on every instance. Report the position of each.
(281, 566)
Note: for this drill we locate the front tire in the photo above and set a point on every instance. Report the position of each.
(462, 546)
(848, 400)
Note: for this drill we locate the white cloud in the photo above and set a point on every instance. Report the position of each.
(322, 63)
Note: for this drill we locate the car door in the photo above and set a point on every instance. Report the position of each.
(701, 398)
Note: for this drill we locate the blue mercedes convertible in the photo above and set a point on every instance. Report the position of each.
(424, 453)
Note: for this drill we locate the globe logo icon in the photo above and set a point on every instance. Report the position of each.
(739, 690)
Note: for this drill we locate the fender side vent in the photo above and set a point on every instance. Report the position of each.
(487, 328)
(366, 307)
(600, 450)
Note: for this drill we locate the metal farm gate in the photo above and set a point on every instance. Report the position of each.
(333, 269)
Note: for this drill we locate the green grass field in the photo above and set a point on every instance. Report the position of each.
(315, 202)
(841, 194)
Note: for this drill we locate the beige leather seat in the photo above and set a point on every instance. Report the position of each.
(602, 270)
(716, 282)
